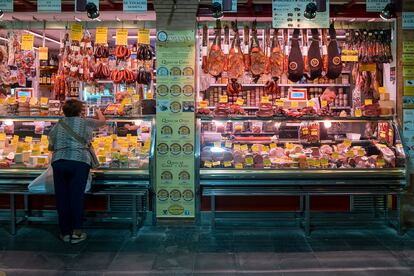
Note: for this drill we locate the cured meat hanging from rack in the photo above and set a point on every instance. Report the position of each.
(215, 60)
(204, 50)
(325, 60)
(246, 51)
(236, 62)
(314, 57)
(286, 52)
(305, 52)
(226, 47)
(275, 63)
(334, 58)
(257, 57)
(295, 67)
(268, 49)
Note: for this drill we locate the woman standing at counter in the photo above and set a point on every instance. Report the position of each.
(71, 163)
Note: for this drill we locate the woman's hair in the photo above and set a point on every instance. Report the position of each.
(72, 108)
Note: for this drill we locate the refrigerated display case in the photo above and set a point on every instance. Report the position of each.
(245, 155)
(126, 158)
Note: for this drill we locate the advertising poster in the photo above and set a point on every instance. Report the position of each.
(289, 14)
(175, 143)
(408, 133)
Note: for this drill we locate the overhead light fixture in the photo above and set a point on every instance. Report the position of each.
(1, 14)
(78, 19)
(92, 10)
(310, 11)
(217, 10)
(41, 36)
(388, 12)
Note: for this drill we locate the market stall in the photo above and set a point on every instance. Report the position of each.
(298, 112)
(109, 66)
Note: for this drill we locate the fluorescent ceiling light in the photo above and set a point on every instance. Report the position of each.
(41, 36)
(78, 19)
(135, 36)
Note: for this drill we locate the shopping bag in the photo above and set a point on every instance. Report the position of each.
(44, 183)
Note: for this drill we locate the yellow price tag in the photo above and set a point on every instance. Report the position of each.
(102, 158)
(126, 101)
(311, 162)
(130, 90)
(149, 95)
(305, 131)
(358, 112)
(44, 101)
(239, 101)
(11, 100)
(349, 153)
(324, 162)
(228, 144)
(217, 163)
(249, 160)
(224, 99)
(121, 37)
(76, 32)
(43, 53)
(381, 90)
(382, 134)
(227, 164)
(294, 104)
(324, 103)
(361, 152)
(368, 101)
(371, 67)
(347, 143)
(136, 98)
(265, 100)
(289, 146)
(335, 155)
(267, 163)
(208, 164)
(101, 35)
(144, 36)
(16, 137)
(244, 148)
(279, 103)
(255, 148)
(203, 104)
(22, 99)
(41, 161)
(380, 162)
(2, 101)
(28, 139)
(33, 101)
(114, 136)
(265, 148)
(2, 136)
(311, 103)
(273, 146)
(236, 147)
(239, 166)
(27, 42)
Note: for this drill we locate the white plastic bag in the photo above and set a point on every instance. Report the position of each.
(44, 183)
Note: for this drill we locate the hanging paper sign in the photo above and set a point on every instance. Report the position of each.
(101, 35)
(27, 42)
(289, 14)
(6, 5)
(121, 37)
(408, 46)
(76, 31)
(349, 55)
(144, 36)
(43, 53)
(408, 20)
(135, 5)
(376, 5)
(49, 6)
(370, 67)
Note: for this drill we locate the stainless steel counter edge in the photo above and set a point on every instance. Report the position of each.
(36, 172)
(301, 173)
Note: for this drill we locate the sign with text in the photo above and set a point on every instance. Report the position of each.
(27, 42)
(408, 20)
(101, 35)
(76, 32)
(49, 5)
(376, 5)
(289, 14)
(6, 5)
(135, 5)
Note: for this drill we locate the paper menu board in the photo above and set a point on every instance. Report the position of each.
(289, 14)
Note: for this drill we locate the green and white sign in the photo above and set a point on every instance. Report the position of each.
(135, 5)
(175, 142)
(6, 5)
(49, 5)
(376, 5)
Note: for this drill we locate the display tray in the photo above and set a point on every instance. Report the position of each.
(296, 119)
(295, 174)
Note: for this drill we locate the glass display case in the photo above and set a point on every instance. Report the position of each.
(123, 151)
(248, 149)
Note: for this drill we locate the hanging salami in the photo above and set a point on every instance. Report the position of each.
(334, 58)
(296, 65)
(257, 57)
(215, 61)
(314, 57)
(204, 49)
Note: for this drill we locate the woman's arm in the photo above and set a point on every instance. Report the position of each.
(99, 116)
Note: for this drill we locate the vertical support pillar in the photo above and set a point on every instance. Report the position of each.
(13, 214)
(213, 211)
(307, 215)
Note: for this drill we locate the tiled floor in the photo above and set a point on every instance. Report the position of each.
(189, 250)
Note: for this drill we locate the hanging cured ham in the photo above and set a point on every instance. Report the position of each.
(257, 56)
(246, 37)
(216, 59)
(235, 62)
(314, 57)
(276, 64)
(334, 58)
(204, 49)
(296, 65)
